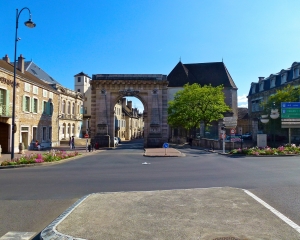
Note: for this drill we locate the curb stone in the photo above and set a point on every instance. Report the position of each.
(50, 232)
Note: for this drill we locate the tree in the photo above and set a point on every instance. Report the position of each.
(194, 104)
(287, 94)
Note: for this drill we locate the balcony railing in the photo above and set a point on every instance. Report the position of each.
(5, 110)
(71, 116)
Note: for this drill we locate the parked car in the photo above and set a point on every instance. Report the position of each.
(247, 136)
(119, 140)
(116, 141)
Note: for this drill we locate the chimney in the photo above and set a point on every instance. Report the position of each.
(6, 59)
(129, 105)
(123, 102)
(21, 63)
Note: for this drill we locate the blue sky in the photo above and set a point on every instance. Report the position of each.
(254, 38)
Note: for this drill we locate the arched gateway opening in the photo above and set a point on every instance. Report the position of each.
(150, 89)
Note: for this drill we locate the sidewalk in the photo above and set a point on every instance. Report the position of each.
(206, 214)
(162, 152)
(80, 149)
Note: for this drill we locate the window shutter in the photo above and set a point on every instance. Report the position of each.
(29, 104)
(24, 103)
(7, 103)
(32, 105)
(42, 107)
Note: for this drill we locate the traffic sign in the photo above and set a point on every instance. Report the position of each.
(166, 145)
(290, 110)
(232, 131)
(222, 135)
(86, 136)
(229, 119)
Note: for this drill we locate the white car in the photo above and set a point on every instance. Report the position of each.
(116, 141)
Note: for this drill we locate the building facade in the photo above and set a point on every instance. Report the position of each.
(214, 73)
(36, 108)
(260, 91)
(70, 104)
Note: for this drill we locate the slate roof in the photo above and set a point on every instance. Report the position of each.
(214, 73)
(243, 113)
(82, 74)
(34, 69)
(267, 81)
(26, 75)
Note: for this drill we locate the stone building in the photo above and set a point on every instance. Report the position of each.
(82, 86)
(36, 108)
(70, 108)
(214, 73)
(265, 87)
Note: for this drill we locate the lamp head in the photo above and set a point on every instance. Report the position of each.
(30, 23)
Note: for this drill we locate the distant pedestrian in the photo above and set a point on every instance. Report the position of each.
(70, 143)
(73, 142)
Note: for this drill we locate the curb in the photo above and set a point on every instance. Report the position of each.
(48, 163)
(50, 232)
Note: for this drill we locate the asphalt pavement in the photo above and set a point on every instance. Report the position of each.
(212, 213)
(208, 213)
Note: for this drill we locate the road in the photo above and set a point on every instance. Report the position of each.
(30, 198)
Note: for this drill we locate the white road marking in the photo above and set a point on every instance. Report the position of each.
(273, 210)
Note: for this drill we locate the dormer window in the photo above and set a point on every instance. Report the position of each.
(283, 78)
(296, 72)
(272, 82)
(253, 88)
(261, 86)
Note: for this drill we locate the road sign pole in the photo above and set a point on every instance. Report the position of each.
(223, 132)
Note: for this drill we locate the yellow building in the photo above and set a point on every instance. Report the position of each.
(36, 108)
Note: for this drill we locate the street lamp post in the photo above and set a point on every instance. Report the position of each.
(29, 24)
(273, 115)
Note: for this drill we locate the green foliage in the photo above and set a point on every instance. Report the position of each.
(287, 94)
(194, 104)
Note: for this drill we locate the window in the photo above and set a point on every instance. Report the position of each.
(51, 95)
(34, 105)
(26, 103)
(63, 107)
(44, 133)
(34, 134)
(73, 128)
(44, 107)
(283, 78)
(50, 133)
(261, 86)
(2, 96)
(78, 90)
(27, 87)
(35, 89)
(296, 72)
(69, 107)
(73, 108)
(50, 109)
(4, 102)
(79, 79)
(44, 93)
(272, 84)
(253, 88)
(85, 110)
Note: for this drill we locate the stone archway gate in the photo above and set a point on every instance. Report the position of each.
(150, 89)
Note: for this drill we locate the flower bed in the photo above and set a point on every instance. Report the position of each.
(288, 149)
(51, 156)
